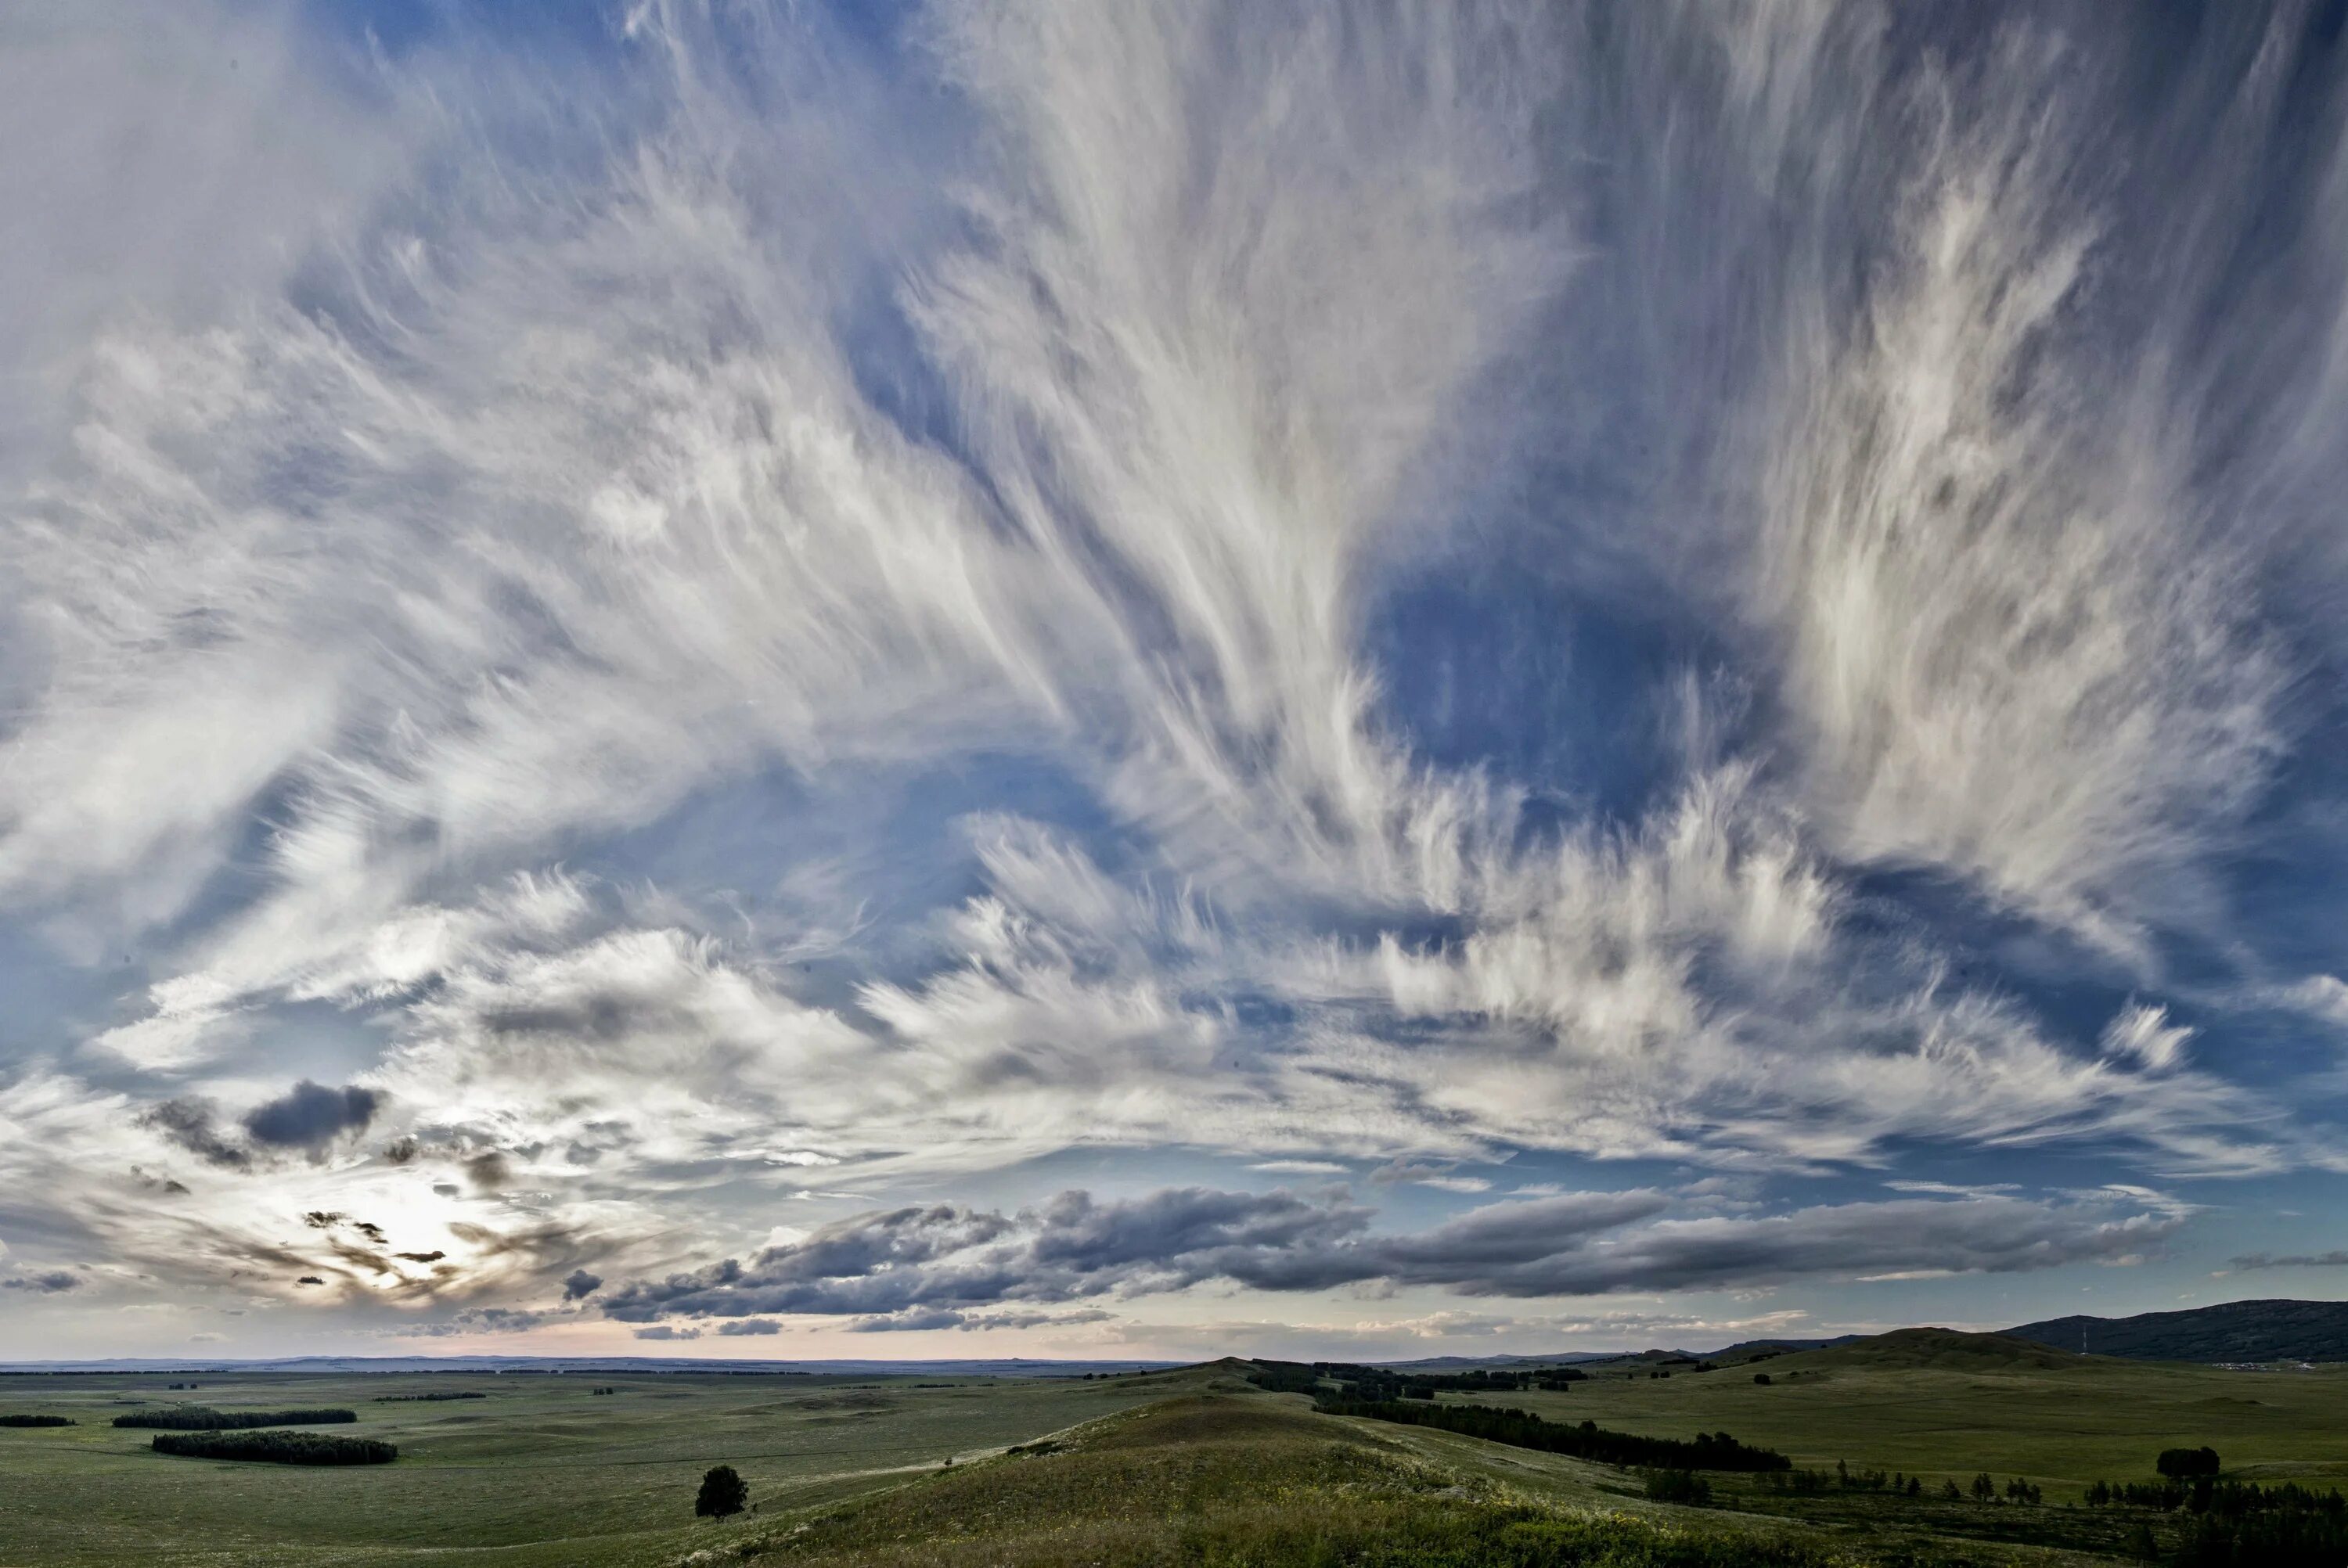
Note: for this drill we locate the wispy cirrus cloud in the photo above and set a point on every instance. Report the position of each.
(880, 607)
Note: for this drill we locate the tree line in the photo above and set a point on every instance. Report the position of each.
(1523, 1429)
(197, 1419)
(420, 1398)
(1372, 1384)
(2231, 1498)
(277, 1447)
(35, 1421)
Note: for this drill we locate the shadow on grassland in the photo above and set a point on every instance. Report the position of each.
(1231, 1477)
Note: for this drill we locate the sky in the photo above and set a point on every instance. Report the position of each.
(997, 678)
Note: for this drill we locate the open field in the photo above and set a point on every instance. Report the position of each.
(1223, 1477)
(1190, 1466)
(543, 1472)
(1951, 1406)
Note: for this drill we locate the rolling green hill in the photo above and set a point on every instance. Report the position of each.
(2238, 1331)
(1226, 1476)
(1948, 1348)
(1193, 1466)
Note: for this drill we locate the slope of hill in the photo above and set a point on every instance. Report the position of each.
(1224, 1474)
(1949, 1349)
(2236, 1331)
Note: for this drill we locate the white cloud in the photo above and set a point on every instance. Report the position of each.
(429, 510)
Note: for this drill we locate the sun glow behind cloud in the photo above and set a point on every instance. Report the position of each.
(743, 625)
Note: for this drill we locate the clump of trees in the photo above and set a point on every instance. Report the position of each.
(1812, 1483)
(421, 1398)
(2184, 1464)
(1521, 1429)
(1683, 1486)
(1286, 1377)
(2231, 1498)
(36, 1421)
(2235, 1524)
(1762, 1378)
(1370, 1384)
(2270, 1538)
(277, 1447)
(198, 1419)
(606, 1388)
(723, 1494)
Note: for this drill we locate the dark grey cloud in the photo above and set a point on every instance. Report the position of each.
(969, 1322)
(929, 1267)
(488, 1172)
(188, 1122)
(47, 1283)
(2250, 1260)
(904, 1322)
(1974, 1236)
(311, 1116)
(479, 1320)
(667, 1331)
(580, 1284)
(946, 1257)
(749, 1326)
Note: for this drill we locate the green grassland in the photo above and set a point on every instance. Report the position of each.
(1226, 1477)
(543, 1472)
(1948, 1406)
(1196, 1467)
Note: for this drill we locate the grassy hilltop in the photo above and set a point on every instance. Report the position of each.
(1195, 1467)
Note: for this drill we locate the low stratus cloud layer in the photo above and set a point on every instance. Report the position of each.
(1483, 656)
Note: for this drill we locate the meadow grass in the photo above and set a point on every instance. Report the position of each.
(1228, 1477)
(1194, 1468)
(541, 1472)
(1941, 1410)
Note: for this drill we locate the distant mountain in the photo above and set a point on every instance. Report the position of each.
(1949, 1349)
(2237, 1331)
(1743, 1350)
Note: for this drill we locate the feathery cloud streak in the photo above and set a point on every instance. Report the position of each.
(557, 604)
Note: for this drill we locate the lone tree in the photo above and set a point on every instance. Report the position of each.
(2183, 1464)
(723, 1493)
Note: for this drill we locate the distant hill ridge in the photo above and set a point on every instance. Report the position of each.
(1951, 1349)
(2236, 1331)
